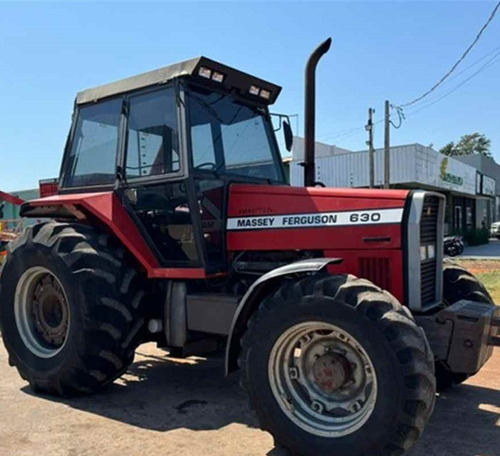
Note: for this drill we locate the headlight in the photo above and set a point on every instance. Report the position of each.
(427, 252)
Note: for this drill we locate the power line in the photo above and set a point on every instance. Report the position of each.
(452, 69)
(489, 63)
(401, 116)
(347, 133)
(494, 51)
(339, 133)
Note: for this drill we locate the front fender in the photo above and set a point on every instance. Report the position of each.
(252, 298)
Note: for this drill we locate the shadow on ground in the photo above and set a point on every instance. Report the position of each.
(161, 394)
(465, 422)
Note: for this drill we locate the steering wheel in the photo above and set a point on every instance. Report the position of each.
(212, 166)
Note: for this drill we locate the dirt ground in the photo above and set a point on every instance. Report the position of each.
(164, 406)
(478, 266)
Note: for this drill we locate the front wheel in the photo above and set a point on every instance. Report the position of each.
(334, 365)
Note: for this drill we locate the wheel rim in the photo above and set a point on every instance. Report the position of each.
(41, 312)
(322, 379)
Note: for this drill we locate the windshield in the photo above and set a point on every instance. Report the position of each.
(231, 138)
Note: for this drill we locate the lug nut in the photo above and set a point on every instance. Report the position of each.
(317, 406)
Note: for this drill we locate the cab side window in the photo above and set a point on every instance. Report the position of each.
(92, 158)
(152, 145)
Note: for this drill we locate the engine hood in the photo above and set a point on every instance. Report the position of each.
(281, 217)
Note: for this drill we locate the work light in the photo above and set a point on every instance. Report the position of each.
(205, 72)
(266, 94)
(217, 77)
(254, 90)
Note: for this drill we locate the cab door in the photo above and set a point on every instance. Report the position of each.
(157, 190)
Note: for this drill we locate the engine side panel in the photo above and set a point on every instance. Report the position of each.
(364, 227)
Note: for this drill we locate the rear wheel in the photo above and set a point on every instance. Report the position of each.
(458, 283)
(70, 309)
(334, 365)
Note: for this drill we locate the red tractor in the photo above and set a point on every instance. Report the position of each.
(173, 223)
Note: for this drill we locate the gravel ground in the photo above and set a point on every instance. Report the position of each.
(165, 406)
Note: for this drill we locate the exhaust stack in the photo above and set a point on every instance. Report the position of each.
(310, 111)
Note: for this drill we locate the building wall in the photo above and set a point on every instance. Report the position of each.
(488, 167)
(467, 184)
(321, 149)
(410, 164)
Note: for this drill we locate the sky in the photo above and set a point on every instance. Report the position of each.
(381, 50)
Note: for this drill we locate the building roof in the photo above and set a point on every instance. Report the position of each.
(233, 79)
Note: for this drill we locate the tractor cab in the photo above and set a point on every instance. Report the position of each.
(170, 142)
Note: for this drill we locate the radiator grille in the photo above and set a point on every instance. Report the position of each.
(377, 270)
(428, 235)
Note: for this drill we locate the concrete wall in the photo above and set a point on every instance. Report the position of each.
(484, 165)
(411, 165)
(488, 167)
(321, 149)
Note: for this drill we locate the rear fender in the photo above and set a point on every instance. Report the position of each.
(261, 288)
(107, 207)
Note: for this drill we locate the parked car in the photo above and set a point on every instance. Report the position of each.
(495, 230)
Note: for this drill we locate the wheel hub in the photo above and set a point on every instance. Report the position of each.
(322, 378)
(42, 312)
(331, 372)
(50, 311)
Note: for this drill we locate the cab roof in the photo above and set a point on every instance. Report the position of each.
(232, 80)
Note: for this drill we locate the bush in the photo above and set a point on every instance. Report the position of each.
(477, 237)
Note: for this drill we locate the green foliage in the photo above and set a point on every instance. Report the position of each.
(491, 280)
(473, 144)
(477, 237)
(449, 149)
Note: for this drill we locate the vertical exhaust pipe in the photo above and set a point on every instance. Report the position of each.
(310, 112)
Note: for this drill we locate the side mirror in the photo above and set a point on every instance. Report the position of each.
(287, 133)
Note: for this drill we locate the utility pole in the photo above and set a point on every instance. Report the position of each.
(371, 152)
(387, 142)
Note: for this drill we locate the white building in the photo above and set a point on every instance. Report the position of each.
(467, 188)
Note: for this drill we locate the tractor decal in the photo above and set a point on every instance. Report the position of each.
(321, 219)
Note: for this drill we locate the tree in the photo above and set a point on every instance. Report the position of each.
(449, 149)
(473, 144)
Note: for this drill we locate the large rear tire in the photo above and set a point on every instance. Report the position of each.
(333, 365)
(70, 308)
(458, 283)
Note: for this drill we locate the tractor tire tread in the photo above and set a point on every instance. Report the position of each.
(114, 319)
(395, 324)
